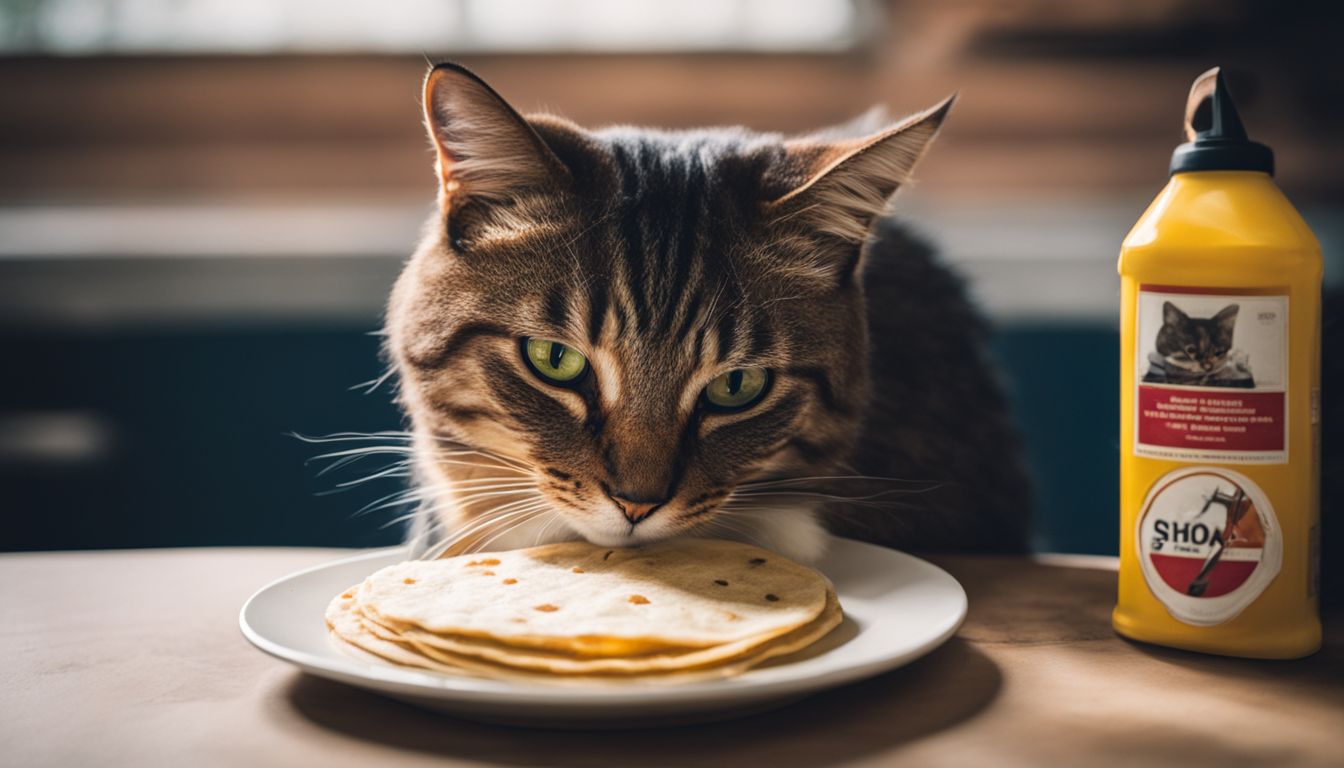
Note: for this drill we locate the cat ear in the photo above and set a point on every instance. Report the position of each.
(840, 186)
(485, 148)
(1227, 318)
(1172, 314)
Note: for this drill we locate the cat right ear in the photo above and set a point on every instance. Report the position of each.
(839, 186)
(486, 150)
(1172, 314)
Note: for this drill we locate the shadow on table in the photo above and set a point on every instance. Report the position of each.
(1313, 678)
(948, 687)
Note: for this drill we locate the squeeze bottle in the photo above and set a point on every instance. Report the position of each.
(1220, 343)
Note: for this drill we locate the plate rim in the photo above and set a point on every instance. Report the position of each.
(484, 691)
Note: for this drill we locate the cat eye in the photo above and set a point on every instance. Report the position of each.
(554, 362)
(736, 389)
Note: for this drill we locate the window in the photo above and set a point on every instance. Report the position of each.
(436, 26)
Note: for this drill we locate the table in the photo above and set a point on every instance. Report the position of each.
(135, 658)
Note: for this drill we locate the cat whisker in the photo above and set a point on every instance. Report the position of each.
(455, 536)
(492, 492)
(552, 517)
(398, 519)
(350, 456)
(764, 494)
(511, 506)
(510, 461)
(429, 526)
(368, 450)
(399, 498)
(338, 437)
(348, 460)
(396, 470)
(495, 517)
(512, 523)
(475, 499)
(373, 384)
(514, 526)
(815, 478)
(737, 531)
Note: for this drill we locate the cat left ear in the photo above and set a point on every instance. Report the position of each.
(840, 187)
(485, 148)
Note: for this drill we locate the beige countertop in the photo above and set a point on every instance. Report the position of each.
(135, 658)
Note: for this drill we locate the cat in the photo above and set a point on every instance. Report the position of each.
(626, 334)
(1198, 351)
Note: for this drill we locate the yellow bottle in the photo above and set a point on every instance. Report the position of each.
(1220, 340)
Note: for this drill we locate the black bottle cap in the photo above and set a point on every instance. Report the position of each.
(1216, 139)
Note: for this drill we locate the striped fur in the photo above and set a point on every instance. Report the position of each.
(666, 258)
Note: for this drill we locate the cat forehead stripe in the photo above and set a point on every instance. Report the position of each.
(663, 215)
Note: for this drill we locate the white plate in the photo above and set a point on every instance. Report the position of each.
(897, 608)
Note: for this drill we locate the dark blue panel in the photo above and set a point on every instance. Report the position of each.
(199, 452)
(1063, 382)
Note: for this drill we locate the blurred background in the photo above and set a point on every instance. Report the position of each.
(203, 204)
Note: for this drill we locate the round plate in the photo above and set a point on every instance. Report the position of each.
(897, 608)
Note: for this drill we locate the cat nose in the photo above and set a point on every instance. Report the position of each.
(635, 509)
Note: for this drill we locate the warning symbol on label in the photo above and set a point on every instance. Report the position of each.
(1209, 544)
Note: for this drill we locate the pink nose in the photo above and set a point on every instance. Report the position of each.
(633, 510)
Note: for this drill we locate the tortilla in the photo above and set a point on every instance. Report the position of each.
(350, 630)
(589, 601)
(577, 613)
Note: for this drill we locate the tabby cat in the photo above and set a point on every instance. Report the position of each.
(1197, 351)
(629, 334)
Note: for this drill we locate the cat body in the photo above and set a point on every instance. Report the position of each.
(627, 335)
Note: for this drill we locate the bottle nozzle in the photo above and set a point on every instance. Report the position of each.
(1209, 112)
(1215, 136)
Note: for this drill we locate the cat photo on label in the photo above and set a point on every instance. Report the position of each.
(626, 334)
(1194, 351)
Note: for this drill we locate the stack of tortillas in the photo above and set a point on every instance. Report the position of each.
(674, 611)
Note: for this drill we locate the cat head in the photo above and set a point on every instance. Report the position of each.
(1196, 344)
(632, 322)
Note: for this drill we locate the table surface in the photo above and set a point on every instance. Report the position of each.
(135, 658)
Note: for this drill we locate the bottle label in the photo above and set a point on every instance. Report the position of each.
(1211, 375)
(1209, 544)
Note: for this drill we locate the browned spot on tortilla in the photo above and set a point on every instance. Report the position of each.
(609, 551)
(721, 582)
(638, 599)
(772, 598)
(546, 608)
(408, 580)
(346, 596)
(510, 581)
(519, 620)
(756, 561)
(729, 615)
(487, 573)
(576, 569)
(490, 561)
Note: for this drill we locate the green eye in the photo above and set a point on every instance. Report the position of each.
(554, 361)
(737, 388)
